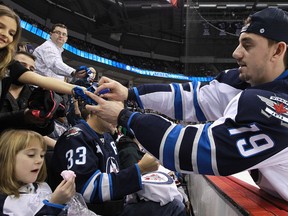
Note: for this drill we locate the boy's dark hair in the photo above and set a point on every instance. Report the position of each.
(84, 112)
(27, 54)
(25, 46)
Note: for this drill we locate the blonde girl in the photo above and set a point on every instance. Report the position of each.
(23, 171)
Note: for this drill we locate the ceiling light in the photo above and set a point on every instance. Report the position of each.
(207, 5)
(235, 5)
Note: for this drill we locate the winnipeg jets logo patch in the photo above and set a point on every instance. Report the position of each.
(157, 178)
(277, 107)
(72, 132)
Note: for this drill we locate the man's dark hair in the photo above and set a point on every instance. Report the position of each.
(58, 25)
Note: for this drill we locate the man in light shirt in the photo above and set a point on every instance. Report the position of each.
(49, 60)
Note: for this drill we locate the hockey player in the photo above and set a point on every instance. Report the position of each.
(89, 150)
(245, 111)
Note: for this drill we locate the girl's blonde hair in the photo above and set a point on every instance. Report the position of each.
(11, 142)
(7, 53)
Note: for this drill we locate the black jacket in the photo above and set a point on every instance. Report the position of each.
(12, 110)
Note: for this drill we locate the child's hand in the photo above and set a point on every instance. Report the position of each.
(148, 163)
(64, 192)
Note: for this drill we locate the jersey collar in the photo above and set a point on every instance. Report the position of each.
(284, 75)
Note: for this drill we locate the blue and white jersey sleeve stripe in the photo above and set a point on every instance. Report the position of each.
(189, 101)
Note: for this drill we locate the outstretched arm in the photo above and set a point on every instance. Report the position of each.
(56, 85)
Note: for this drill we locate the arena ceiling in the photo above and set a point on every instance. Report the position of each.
(192, 32)
(153, 26)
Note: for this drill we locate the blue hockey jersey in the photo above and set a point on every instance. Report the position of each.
(243, 127)
(94, 160)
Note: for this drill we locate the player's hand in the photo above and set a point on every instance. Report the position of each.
(117, 92)
(106, 110)
(148, 163)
